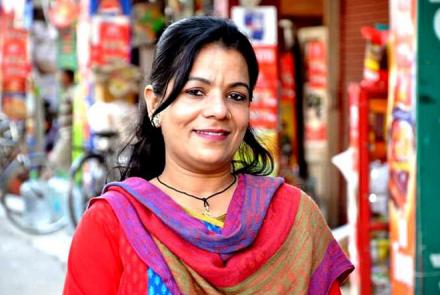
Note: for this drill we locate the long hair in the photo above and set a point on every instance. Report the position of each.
(175, 54)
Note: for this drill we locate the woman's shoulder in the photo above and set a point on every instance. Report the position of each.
(306, 202)
(129, 184)
(99, 208)
(101, 214)
(285, 189)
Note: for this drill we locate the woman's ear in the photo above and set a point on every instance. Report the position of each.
(151, 99)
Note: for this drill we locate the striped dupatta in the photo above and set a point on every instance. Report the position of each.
(274, 240)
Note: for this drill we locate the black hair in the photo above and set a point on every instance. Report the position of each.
(175, 54)
(69, 74)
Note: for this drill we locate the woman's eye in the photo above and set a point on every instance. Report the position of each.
(237, 96)
(195, 92)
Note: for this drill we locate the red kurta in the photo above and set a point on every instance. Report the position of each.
(101, 261)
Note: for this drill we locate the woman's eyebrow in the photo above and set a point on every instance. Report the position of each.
(203, 80)
(231, 85)
(236, 84)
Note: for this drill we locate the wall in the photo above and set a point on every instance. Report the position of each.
(353, 15)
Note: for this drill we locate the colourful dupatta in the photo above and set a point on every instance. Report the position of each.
(274, 240)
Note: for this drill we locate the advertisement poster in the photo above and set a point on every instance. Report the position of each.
(260, 25)
(264, 107)
(14, 67)
(110, 40)
(288, 140)
(402, 145)
(314, 46)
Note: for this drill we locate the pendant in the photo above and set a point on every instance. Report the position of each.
(206, 211)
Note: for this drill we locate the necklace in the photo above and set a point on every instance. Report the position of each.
(205, 199)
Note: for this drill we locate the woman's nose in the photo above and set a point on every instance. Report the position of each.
(216, 106)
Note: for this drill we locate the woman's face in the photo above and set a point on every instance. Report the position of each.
(205, 125)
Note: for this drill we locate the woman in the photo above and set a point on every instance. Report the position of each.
(193, 214)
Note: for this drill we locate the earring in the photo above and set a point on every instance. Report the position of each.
(155, 121)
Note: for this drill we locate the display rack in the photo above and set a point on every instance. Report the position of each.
(370, 102)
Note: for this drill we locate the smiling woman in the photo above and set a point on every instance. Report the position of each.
(206, 124)
(186, 217)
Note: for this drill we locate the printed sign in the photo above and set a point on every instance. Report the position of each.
(314, 44)
(401, 146)
(15, 67)
(288, 140)
(110, 40)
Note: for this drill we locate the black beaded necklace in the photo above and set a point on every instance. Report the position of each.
(205, 200)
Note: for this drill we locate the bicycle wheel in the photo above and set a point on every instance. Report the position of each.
(87, 179)
(30, 202)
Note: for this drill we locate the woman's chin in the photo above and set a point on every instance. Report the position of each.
(211, 162)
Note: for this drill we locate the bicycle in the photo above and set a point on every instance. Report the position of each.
(29, 200)
(90, 172)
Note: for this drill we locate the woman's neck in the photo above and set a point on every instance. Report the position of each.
(198, 184)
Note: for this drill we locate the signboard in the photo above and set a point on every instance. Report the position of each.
(110, 40)
(111, 30)
(288, 139)
(264, 107)
(314, 44)
(15, 67)
(258, 23)
(402, 145)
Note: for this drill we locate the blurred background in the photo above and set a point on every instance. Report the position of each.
(347, 101)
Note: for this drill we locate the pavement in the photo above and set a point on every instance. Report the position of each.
(32, 265)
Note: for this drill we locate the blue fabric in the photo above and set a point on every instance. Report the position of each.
(155, 284)
(213, 227)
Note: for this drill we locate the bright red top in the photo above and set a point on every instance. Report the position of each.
(101, 261)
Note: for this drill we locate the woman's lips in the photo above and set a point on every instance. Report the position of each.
(213, 134)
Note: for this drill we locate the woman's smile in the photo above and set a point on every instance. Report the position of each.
(212, 134)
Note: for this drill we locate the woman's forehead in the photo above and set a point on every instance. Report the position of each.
(217, 60)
